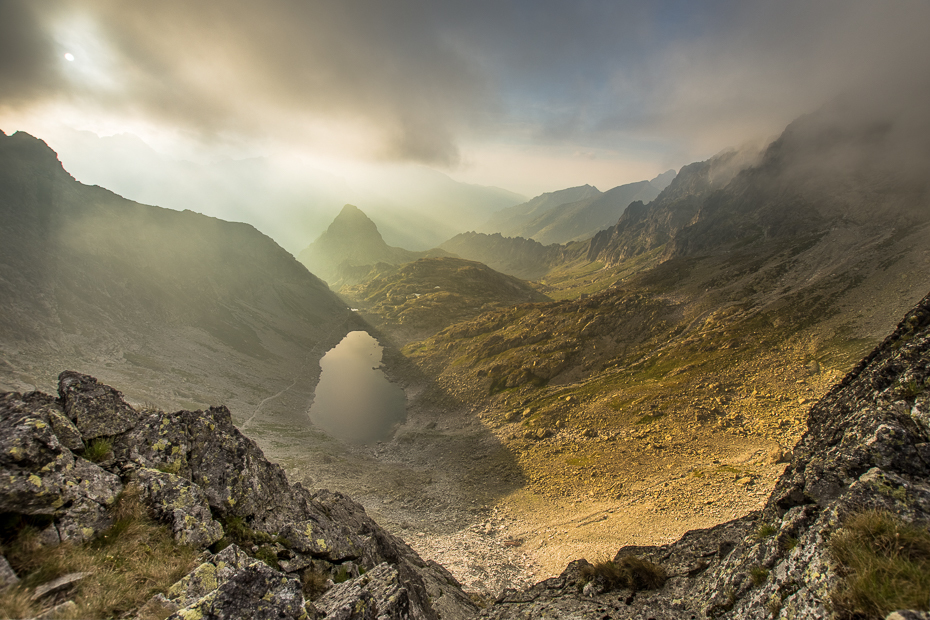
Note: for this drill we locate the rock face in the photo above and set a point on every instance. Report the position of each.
(196, 472)
(867, 447)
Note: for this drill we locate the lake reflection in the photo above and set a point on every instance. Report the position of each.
(354, 401)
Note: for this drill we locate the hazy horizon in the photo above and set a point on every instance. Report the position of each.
(362, 102)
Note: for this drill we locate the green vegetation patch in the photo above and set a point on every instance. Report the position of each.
(126, 565)
(885, 564)
(629, 572)
(98, 450)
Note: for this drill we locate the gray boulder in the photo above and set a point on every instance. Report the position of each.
(40, 476)
(378, 594)
(253, 591)
(182, 505)
(96, 409)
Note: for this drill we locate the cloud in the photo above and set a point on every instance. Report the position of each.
(369, 75)
(27, 65)
(414, 80)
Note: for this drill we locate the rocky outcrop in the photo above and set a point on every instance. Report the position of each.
(196, 473)
(867, 447)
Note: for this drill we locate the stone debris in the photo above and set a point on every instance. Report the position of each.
(57, 585)
(8, 576)
(866, 447)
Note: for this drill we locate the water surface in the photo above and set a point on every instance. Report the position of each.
(354, 401)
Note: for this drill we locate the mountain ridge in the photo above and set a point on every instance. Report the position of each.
(142, 294)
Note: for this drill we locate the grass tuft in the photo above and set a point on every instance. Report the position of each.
(630, 572)
(313, 583)
(342, 575)
(765, 530)
(885, 563)
(127, 565)
(758, 574)
(98, 450)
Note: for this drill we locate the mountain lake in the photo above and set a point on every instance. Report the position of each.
(354, 401)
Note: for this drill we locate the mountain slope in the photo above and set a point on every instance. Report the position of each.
(511, 220)
(516, 256)
(699, 356)
(856, 489)
(150, 297)
(577, 221)
(350, 247)
(420, 298)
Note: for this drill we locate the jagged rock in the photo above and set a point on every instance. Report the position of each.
(57, 585)
(32, 461)
(378, 593)
(96, 409)
(159, 440)
(207, 577)
(253, 591)
(39, 476)
(91, 491)
(7, 574)
(181, 504)
(50, 410)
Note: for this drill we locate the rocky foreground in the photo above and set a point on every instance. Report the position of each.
(866, 451)
(196, 471)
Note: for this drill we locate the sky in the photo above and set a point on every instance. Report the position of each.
(526, 95)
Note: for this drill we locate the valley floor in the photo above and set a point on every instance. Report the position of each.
(500, 511)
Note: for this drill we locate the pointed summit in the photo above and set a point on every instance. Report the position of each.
(353, 221)
(352, 240)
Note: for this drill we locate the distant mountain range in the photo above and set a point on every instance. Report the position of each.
(572, 214)
(414, 206)
(517, 256)
(182, 309)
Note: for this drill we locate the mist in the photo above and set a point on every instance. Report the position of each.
(278, 114)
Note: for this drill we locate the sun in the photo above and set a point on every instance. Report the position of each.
(69, 56)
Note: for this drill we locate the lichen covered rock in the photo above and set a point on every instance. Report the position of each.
(181, 503)
(378, 593)
(252, 591)
(96, 409)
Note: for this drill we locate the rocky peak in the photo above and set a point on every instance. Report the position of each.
(351, 221)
